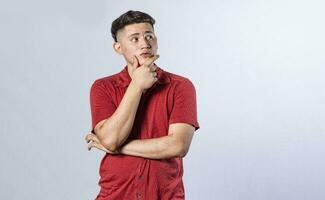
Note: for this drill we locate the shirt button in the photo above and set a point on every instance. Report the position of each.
(138, 195)
(140, 177)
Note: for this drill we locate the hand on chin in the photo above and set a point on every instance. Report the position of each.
(143, 57)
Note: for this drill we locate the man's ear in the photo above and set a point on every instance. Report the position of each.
(117, 47)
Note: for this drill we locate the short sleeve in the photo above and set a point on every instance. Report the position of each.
(184, 104)
(101, 103)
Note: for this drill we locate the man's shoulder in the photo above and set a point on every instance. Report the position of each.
(108, 80)
(177, 79)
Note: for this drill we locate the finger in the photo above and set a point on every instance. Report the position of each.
(87, 136)
(135, 62)
(97, 146)
(154, 74)
(92, 137)
(92, 145)
(150, 60)
(101, 147)
(152, 68)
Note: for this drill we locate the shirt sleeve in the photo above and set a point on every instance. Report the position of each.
(101, 103)
(184, 107)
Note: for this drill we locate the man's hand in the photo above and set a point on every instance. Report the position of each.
(144, 76)
(93, 141)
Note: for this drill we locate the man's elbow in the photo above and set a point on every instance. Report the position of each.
(106, 140)
(181, 150)
(110, 144)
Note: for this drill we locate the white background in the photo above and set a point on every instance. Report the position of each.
(258, 68)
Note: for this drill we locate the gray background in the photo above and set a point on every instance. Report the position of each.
(258, 67)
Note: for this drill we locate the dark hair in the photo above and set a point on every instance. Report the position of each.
(130, 17)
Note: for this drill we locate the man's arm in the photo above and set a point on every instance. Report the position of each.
(113, 132)
(175, 144)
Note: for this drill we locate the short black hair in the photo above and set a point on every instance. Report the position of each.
(130, 17)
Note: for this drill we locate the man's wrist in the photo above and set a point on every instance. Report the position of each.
(135, 87)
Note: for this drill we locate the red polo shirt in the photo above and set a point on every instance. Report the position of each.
(171, 99)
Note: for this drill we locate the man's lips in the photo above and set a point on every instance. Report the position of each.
(146, 55)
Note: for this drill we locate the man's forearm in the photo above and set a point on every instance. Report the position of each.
(115, 130)
(156, 148)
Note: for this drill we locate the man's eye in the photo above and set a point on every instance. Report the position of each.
(149, 37)
(134, 39)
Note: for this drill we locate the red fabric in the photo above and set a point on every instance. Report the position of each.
(171, 99)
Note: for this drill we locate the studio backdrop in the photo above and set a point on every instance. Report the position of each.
(258, 69)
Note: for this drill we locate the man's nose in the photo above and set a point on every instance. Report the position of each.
(144, 43)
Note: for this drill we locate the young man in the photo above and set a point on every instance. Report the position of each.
(143, 118)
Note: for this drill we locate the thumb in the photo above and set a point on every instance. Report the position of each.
(135, 61)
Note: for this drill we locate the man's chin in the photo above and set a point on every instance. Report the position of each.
(142, 61)
(143, 58)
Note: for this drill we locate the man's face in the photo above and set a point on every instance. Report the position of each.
(136, 40)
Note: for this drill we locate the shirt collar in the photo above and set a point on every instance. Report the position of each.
(125, 79)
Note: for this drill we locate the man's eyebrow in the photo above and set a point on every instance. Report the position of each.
(136, 34)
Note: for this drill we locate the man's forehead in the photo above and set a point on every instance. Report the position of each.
(139, 28)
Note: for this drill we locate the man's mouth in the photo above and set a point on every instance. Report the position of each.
(146, 55)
